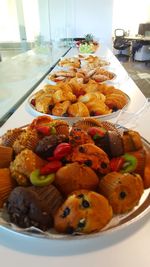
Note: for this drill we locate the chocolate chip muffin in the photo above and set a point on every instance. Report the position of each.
(92, 156)
(83, 212)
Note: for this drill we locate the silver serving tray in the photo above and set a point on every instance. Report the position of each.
(118, 222)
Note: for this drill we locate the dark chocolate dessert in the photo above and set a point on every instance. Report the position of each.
(46, 146)
(34, 206)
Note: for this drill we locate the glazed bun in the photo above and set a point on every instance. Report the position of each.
(74, 176)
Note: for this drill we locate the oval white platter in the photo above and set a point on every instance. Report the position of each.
(31, 109)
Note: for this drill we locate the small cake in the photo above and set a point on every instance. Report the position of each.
(111, 143)
(92, 156)
(61, 127)
(7, 184)
(24, 163)
(86, 123)
(6, 156)
(140, 155)
(146, 176)
(74, 176)
(131, 140)
(83, 212)
(34, 206)
(10, 137)
(123, 191)
(27, 139)
(40, 120)
(46, 146)
(78, 137)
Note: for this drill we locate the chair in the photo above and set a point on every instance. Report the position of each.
(121, 44)
(141, 50)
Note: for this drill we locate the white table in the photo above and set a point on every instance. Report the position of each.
(126, 247)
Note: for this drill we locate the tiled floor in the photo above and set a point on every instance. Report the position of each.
(139, 72)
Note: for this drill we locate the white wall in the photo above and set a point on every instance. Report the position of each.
(76, 18)
(129, 14)
(94, 16)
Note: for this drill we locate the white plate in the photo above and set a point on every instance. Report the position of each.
(117, 223)
(31, 109)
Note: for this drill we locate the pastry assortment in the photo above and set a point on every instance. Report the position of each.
(87, 72)
(79, 89)
(73, 180)
(78, 99)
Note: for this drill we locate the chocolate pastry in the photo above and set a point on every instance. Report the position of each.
(34, 206)
(46, 146)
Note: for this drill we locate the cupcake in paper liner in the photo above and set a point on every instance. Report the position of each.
(123, 191)
(7, 184)
(60, 127)
(27, 139)
(10, 137)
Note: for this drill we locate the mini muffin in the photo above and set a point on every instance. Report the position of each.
(27, 139)
(86, 123)
(140, 155)
(131, 140)
(92, 156)
(6, 156)
(146, 176)
(7, 184)
(74, 176)
(10, 137)
(123, 191)
(24, 163)
(34, 206)
(78, 137)
(111, 143)
(61, 127)
(40, 120)
(83, 212)
(46, 146)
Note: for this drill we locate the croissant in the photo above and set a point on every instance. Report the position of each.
(116, 101)
(60, 108)
(91, 97)
(43, 103)
(63, 95)
(97, 108)
(78, 109)
(109, 89)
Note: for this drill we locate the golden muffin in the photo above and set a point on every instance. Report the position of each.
(24, 163)
(83, 212)
(131, 141)
(92, 156)
(74, 176)
(123, 191)
(7, 183)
